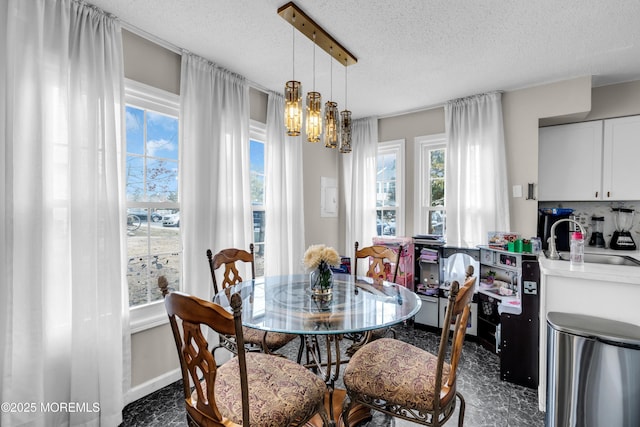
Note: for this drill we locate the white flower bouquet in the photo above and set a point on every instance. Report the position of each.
(318, 259)
(318, 254)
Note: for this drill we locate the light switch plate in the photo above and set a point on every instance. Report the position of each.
(517, 191)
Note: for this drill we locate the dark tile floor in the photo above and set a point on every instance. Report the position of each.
(490, 401)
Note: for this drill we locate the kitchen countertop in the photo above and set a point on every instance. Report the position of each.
(594, 271)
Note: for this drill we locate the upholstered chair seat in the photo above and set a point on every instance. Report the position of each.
(251, 389)
(407, 382)
(375, 371)
(272, 340)
(280, 391)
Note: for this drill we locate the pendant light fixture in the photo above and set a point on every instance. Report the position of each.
(331, 117)
(314, 105)
(345, 121)
(293, 96)
(337, 125)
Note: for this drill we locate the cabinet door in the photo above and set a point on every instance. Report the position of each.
(621, 171)
(570, 162)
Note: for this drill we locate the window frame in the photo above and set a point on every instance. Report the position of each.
(424, 144)
(396, 147)
(139, 95)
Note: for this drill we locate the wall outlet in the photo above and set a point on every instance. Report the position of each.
(530, 287)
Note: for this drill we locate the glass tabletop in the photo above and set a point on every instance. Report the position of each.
(285, 304)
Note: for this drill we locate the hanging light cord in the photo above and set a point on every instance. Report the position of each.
(345, 85)
(331, 72)
(314, 61)
(293, 38)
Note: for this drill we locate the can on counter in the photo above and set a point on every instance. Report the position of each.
(536, 245)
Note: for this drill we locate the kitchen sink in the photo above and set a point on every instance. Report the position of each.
(610, 259)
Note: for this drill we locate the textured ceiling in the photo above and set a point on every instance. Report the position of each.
(412, 54)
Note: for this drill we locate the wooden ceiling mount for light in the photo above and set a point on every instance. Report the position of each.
(307, 26)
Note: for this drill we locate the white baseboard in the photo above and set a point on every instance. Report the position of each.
(150, 386)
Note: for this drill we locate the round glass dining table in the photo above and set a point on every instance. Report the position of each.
(286, 304)
(357, 305)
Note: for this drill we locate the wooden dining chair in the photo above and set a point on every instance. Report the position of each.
(269, 342)
(408, 382)
(252, 389)
(379, 258)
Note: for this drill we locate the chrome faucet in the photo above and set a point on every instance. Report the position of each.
(553, 252)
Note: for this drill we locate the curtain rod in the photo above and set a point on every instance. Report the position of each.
(175, 49)
(157, 40)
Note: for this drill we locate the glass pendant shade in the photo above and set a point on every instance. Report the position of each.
(332, 124)
(314, 116)
(293, 107)
(345, 131)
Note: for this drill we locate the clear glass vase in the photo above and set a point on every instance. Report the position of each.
(321, 282)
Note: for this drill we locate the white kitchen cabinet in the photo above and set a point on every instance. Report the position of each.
(594, 160)
(621, 171)
(570, 162)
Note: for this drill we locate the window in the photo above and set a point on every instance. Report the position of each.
(256, 155)
(430, 167)
(151, 177)
(389, 188)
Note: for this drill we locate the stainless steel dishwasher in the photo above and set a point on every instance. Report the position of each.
(593, 372)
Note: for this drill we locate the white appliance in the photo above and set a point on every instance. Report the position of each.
(453, 266)
(428, 314)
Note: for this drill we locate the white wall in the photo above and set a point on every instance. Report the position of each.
(319, 161)
(522, 110)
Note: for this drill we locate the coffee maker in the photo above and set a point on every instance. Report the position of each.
(621, 238)
(546, 218)
(597, 233)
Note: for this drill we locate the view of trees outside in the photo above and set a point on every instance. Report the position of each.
(436, 189)
(153, 235)
(386, 195)
(256, 155)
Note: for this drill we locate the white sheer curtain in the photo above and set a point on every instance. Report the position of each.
(284, 234)
(63, 308)
(214, 178)
(358, 178)
(476, 194)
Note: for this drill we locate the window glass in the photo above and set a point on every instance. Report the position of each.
(257, 172)
(431, 212)
(257, 179)
(153, 211)
(389, 188)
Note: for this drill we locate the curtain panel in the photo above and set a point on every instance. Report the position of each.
(63, 306)
(214, 175)
(284, 205)
(476, 194)
(358, 178)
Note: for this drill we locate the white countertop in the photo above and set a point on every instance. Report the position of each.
(594, 271)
